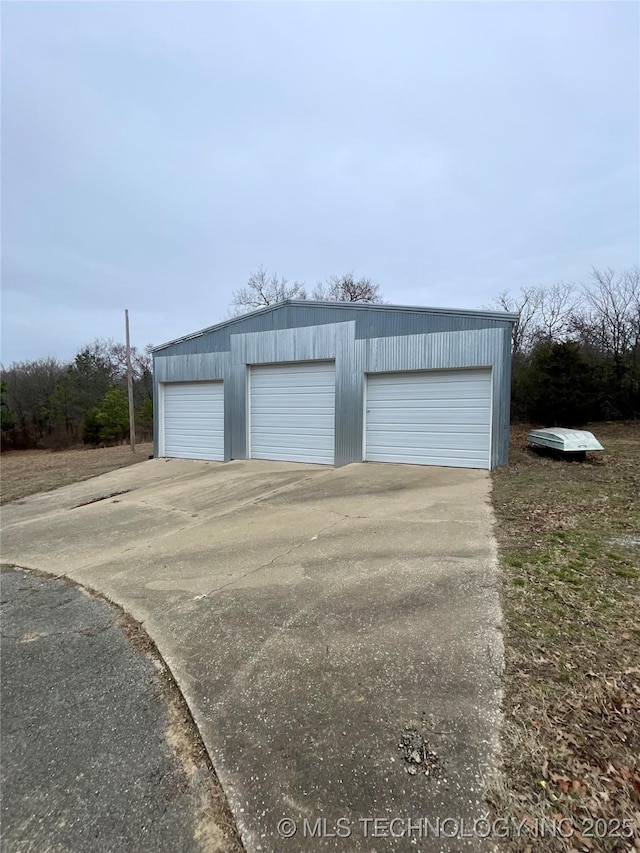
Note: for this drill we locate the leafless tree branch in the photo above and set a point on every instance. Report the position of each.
(263, 289)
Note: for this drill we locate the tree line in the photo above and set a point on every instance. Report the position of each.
(56, 404)
(576, 350)
(576, 358)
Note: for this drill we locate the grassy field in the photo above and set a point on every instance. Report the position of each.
(569, 536)
(24, 472)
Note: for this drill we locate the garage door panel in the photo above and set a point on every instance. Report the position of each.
(287, 456)
(438, 403)
(193, 421)
(190, 454)
(302, 384)
(299, 420)
(436, 438)
(200, 421)
(299, 375)
(462, 461)
(293, 412)
(457, 395)
(321, 439)
(290, 429)
(439, 417)
(451, 395)
(430, 418)
(202, 435)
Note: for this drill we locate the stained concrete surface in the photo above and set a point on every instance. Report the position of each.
(310, 615)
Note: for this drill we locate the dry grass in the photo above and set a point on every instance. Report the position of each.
(569, 534)
(25, 472)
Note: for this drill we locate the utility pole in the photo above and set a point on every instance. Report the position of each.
(132, 419)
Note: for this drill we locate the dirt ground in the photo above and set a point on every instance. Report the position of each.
(569, 536)
(25, 472)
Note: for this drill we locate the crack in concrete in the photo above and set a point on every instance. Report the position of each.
(243, 673)
(177, 510)
(199, 521)
(113, 555)
(228, 511)
(99, 499)
(384, 517)
(273, 560)
(57, 509)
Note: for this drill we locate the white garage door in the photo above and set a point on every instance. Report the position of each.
(293, 412)
(431, 418)
(193, 426)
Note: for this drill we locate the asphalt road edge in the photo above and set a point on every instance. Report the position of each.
(217, 831)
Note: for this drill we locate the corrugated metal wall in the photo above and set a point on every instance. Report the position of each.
(360, 341)
(371, 322)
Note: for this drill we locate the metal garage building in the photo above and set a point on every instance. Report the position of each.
(335, 383)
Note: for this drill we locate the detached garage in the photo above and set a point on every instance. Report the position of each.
(334, 383)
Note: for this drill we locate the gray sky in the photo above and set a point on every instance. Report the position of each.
(154, 154)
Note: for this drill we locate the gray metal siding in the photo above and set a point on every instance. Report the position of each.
(370, 322)
(361, 342)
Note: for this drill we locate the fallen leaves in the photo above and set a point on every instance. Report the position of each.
(571, 739)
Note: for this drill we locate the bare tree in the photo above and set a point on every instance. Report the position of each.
(610, 320)
(557, 306)
(111, 355)
(526, 303)
(346, 288)
(29, 386)
(263, 289)
(143, 369)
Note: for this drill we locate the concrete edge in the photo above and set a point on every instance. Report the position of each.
(143, 642)
(494, 777)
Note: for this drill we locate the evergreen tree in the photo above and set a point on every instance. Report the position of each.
(144, 417)
(559, 384)
(113, 415)
(60, 405)
(90, 429)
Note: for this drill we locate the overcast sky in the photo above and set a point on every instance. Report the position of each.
(154, 154)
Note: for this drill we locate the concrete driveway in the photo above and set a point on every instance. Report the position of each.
(315, 619)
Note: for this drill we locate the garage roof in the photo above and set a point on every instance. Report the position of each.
(358, 306)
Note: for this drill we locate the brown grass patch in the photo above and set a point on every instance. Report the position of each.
(25, 472)
(568, 534)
